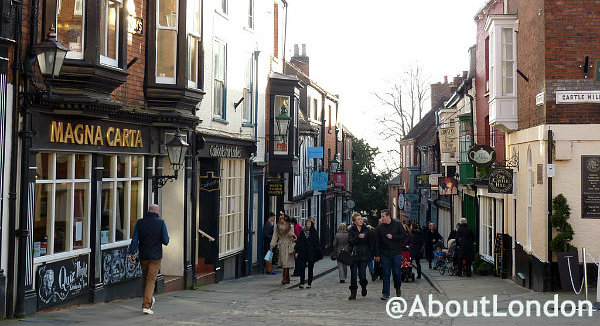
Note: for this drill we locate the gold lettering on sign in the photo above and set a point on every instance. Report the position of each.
(69, 134)
(117, 141)
(89, 135)
(138, 140)
(56, 132)
(125, 138)
(109, 139)
(79, 135)
(98, 136)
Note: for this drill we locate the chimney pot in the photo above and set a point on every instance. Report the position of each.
(445, 79)
(296, 50)
(304, 50)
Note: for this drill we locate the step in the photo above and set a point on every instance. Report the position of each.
(173, 283)
(205, 278)
(202, 267)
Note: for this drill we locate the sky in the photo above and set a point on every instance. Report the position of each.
(358, 48)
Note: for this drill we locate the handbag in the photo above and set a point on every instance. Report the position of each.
(346, 256)
(269, 256)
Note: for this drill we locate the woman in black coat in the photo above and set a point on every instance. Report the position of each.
(464, 247)
(308, 251)
(431, 236)
(416, 249)
(359, 240)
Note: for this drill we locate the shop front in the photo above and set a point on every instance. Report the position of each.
(223, 191)
(90, 179)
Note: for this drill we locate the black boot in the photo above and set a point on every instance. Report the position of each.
(352, 292)
(363, 291)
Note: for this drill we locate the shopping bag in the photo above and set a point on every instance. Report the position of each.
(269, 256)
(345, 256)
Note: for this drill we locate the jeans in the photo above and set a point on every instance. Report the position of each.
(149, 271)
(359, 268)
(301, 267)
(391, 265)
(371, 266)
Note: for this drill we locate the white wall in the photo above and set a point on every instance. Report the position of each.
(173, 196)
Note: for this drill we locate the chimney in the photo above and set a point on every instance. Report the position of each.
(465, 74)
(445, 79)
(300, 60)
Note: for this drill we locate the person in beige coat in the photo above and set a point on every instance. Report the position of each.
(285, 239)
(341, 241)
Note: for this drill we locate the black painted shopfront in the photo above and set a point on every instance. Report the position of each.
(89, 180)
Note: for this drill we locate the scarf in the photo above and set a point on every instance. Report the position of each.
(306, 232)
(283, 229)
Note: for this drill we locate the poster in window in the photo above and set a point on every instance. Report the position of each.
(280, 146)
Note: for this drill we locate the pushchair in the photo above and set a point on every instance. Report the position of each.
(450, 254)
(439, 256)
(407, 267)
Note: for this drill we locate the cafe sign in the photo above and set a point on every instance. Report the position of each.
(481, 155)
(209, 182)
(96, 135)
(500, 181)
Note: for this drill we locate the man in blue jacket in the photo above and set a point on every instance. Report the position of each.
(390, 235)
(150, 233)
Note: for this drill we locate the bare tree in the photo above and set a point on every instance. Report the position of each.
(402, 116)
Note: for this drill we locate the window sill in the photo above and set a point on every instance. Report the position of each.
(117, 244)
(219, 120)
(222, 14)
(247, 124)
(61, 256)
(486, 94)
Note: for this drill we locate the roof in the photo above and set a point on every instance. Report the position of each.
(421, 128)
(396, 181)
(277, 75)
(304, 125)
(309, 81)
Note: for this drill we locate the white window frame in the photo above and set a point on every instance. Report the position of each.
(104, 59)
(507, 48)
(529, 181)
(51, 219)
(127, 179)
(247, 92)
(232, 192)
(73, 54)
(251, 14)
(194, 36)
(166, 80)
(223, 7)
(219, 105)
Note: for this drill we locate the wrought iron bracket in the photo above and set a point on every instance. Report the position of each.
(512, 162)
(158, 181)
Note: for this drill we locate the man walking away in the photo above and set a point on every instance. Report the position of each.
(464, 248)
(149, 234)
(267, 235)
(388, 249)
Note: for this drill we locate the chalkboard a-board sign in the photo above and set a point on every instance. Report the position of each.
(61, 281)
(117, 268)
(590, 186)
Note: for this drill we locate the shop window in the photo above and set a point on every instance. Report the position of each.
(69, 26)
(110, 25)
(231, 212)
(246, 114)
(166, 41)
(122, 196)
(219, 102)
(194, 36)
(61, 203)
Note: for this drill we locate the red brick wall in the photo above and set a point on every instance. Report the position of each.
(276, 30)
(131, 93)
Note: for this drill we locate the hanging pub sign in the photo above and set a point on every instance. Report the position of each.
(401, 201)
(319, 181)
(500, 181)
(61, 281)
(209, 182)
(448, 186)
(448, 140)
(274, 186)
(116, 266)
(339, 179)
(314, 152)
(590, 186)
(423, 181)
(481, 155)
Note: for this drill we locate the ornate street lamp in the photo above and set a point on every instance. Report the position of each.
(334, 165)
(50, 55)
(283, 122)
(176, 148)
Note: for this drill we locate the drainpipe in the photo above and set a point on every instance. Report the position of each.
(12, 192)
(550, 145)
(285, 4)
(254, 105)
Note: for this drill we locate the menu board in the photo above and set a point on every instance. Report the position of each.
(590, 186)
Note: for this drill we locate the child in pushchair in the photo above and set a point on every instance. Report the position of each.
(439, 255)
(449, 258)
(407, 267)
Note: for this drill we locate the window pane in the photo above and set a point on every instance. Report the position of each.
(166, 44)
(109, 20)
(167, 13)
(43, 164)
(106, 163)
(40, 223)
(218, 98)
(107, 211)
(62, 213)
(219, 61)
(81, 166)
(121, 218)
(137, 166)
(134, 206)
(69, 22)
(80, 220)
(62, 166)
(193, 59)
(121, 163)
(194, 16)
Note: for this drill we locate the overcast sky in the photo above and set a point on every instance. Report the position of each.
(360, 47)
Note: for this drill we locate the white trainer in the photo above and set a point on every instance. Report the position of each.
(147, 311)
(152, 305)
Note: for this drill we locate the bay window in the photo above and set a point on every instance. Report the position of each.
(122, 196)
(166, 40)
(110, 12)
(70, 19)
(61, 203)
(194, 36)
(219, 103)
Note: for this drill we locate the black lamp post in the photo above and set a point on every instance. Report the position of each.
(176, 149)
(50, 55)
